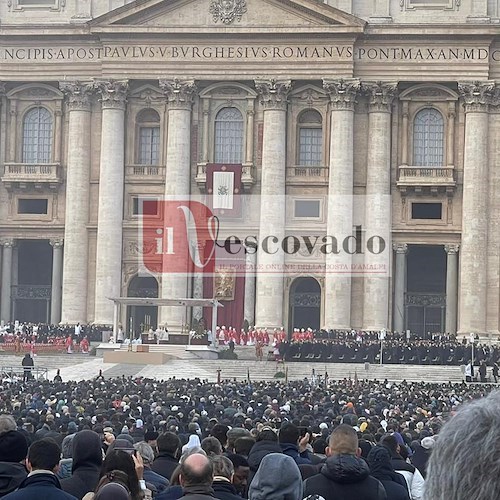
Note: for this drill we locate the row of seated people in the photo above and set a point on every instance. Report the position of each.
(331, 334)
(417, 352)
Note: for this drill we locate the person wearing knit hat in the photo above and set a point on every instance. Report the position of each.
(277, 478)
(13, 451)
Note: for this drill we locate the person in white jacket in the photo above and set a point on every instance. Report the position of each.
(413, 477)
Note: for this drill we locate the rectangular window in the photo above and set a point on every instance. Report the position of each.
(307, 208)
(149, 145)
(430, 4)
(38, 206)
(310, 146)
(144, 206)
(36, 3)
(432, 211)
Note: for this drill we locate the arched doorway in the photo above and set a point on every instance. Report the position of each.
(142, 318)
(305, 303)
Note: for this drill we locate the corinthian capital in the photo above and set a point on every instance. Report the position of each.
(273, 93)
(179, 93)
(78, 94)
(380, 95)
(401, 248)
(452, 248)
(476, 96)
(342, 93)
(113, 93)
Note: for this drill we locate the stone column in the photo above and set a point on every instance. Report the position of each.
(110, 214)
(249, 135)
(6, 286)
(57, 133)
(401, 250)
(76, 253)
(340, 199)
(56, 289)
(451, 287)
(474, 246)
(249, 304)
(179, 95)
(13, 132)
(270, 287)
(197, 286)
(450, 138)
(404, 133)
(378, 188)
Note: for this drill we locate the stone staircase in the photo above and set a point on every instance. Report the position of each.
(176, 351)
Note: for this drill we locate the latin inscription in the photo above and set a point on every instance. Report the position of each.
(246, 53)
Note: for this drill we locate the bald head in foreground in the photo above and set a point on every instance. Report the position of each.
(196, 476)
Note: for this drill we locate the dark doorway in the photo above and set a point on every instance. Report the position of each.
(32, 292)
(425, 300)
(142, 318)
(305, 304)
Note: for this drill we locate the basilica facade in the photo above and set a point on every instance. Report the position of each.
(308, 105)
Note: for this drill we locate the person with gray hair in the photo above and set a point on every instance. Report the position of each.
(7, 423)
(155, 482)
(465, 463)
(223, 478)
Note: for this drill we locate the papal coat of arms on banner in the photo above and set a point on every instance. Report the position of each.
(227, 11)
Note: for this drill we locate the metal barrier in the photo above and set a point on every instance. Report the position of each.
(17, 373)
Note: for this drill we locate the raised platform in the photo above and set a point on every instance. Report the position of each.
(203, 351)
(136, 358)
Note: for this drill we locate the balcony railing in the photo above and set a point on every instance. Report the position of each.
(300, 174)
(410, 176)
(247, 176)
(37, 174)
(145, 172)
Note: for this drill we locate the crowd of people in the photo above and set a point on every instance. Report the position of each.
(138, 438)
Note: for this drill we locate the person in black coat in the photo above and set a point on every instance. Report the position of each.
(41, 483)
(166, 462)
(87, 461)
(379, 461)
(223, 475)
(344, 476)
(266, 442)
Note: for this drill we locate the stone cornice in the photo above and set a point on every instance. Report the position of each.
(273, 93)
(380, 96)
(476, 96)
(342, 93)
(179, 93)
(113, 93)
(78, 94)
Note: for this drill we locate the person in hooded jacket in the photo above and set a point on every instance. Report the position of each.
(86, 467)
(379, 461)
(278, 478)
(413, 478)
(13, 451)
(265, 443)
(345, 476)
